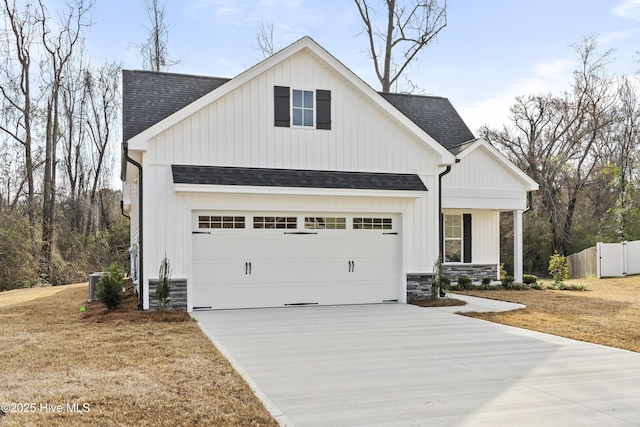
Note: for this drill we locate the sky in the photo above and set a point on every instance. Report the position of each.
(490, 51)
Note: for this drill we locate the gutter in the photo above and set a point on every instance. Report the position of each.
(125, 148)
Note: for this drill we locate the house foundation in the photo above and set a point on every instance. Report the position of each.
(178, 295)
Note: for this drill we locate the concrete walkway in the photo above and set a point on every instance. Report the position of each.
(479, 305)
(401, 365)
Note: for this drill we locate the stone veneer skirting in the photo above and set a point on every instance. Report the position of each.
(476, 272)
(178, 294)
(419, 284)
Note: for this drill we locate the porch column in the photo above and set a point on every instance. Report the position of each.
(517, 245)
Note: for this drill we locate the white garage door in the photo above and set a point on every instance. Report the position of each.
(244, 260)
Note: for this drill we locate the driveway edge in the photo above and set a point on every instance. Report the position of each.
(275, 412)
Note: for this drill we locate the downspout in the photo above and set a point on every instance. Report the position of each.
(529, 202)
(440, 220)
(122, 210)
(140, 228)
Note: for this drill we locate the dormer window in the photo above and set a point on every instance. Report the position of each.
(302, 108)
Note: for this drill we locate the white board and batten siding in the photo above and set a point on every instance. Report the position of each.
(481, 181)
(169, 221)
(485, 234)
(238, 130)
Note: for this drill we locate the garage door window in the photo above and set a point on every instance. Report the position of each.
(372, 224)
(275, 222)
(325, 223)
(208, 221)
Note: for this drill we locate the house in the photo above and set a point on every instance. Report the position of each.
(297, 183)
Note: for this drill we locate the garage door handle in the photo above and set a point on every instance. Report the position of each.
(390, 234)
(247, 268)
(352, 266)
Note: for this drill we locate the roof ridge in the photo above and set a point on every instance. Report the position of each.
(170, 73)
(413, 95)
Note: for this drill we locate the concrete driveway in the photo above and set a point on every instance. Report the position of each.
(401, 365)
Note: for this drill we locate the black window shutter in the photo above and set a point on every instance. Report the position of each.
(323, 106)
(466, 237)
(281, 106)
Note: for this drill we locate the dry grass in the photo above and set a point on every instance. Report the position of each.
(606, 313)
(128, 367)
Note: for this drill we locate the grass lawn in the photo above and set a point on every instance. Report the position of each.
(123, 367)
(607, 313)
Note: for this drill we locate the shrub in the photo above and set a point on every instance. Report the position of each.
(558, 268)
(465, 283)
(445, 282)
(163, 291)
(529, 279)
(18, 265)
(507, 280)
(486, 281)
(503, 272)
(109, 288)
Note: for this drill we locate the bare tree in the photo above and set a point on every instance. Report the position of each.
(60, 44)
(73, 137)
(620, 157)
(17, 98)
(154, 51)
(104, 102)
(407, 29)
(264, 39)
(556, 139)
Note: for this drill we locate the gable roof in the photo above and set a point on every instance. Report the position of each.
(264, 177)
(139, 141)
(148, 97)
(481, 143)
(434, 115)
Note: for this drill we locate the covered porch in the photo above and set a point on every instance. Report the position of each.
(473, 197)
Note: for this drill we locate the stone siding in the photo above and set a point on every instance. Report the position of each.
(476, 272)
(178, 295)
(419, 286)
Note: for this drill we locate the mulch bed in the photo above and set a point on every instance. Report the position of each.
(440, 302)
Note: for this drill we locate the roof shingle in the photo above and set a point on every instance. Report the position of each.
(264, 177)
(434, 115)
(148, 97)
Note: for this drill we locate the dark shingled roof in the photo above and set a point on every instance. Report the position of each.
(149, 97)
(219, 175)
(434, 115)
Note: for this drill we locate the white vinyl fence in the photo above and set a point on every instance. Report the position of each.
(618, 259)
(609, 260)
